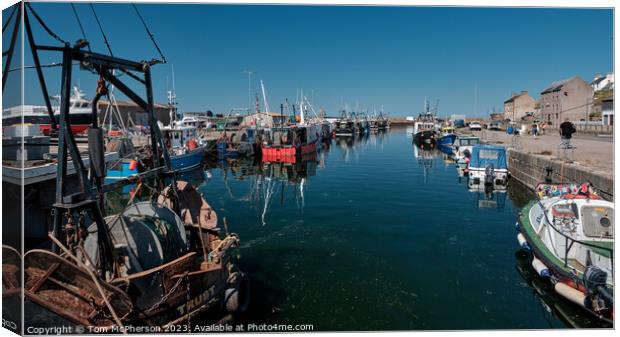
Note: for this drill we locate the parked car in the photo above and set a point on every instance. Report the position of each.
(475, 126)
(495, 126)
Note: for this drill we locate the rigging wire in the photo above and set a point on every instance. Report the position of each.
(51, 65)
(45, 27)
(77, 17)
(9, 19)
(163, 58)
(105, 39)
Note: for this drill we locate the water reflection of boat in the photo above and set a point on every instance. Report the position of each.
(267, 179)
(570, 235)
(425, 156)
(489, 198)
(553, 305)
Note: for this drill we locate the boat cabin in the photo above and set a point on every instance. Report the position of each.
(177, 137)
(489, 156)
(467, 141)
(447, 130)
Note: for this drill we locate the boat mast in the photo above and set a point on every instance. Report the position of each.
(172, 101)
(262, 85)
(302, 120)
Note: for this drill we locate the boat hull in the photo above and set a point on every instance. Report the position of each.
(286, 154)
(563, 277)
(425, 137)
(446, 140)
(79, 122)
(189, 160)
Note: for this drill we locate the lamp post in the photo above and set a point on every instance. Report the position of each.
(249, 72)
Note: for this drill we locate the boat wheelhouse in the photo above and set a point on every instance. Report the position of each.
(463, 146)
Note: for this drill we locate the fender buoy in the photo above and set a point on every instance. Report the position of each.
(133, 165)
(570, 293)
(540, 268)
(237, 293)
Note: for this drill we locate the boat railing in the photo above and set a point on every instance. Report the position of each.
(569, 242)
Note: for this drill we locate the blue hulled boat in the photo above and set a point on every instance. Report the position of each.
(183, 146)
(447, 136)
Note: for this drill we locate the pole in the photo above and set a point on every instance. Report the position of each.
(249, 72)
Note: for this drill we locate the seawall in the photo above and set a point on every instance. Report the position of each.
(531, 169)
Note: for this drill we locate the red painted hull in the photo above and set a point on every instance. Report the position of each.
(286, 154)
(279, 154)
(45, 129)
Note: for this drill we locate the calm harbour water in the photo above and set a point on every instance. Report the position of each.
(368, 237)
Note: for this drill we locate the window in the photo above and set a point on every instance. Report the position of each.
(488, 154)
(597, 221)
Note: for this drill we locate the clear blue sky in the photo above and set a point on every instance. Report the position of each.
(390, 56)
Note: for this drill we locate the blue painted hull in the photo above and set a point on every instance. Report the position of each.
(189, 160)
(113, 176)
(446, 140)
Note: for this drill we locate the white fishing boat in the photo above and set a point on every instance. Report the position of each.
(80, 114)
(463, 146)
(569, 231)
(488, 167)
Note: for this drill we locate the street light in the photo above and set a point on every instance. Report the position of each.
(249, 72)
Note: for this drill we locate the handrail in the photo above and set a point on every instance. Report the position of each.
(567, 238)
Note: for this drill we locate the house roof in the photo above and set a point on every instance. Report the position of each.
(557, 85)
(511, 99)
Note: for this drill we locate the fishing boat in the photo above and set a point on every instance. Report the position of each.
(569, 231)
(382, 120)
(183, 145)
(344, 126)
(168, 268)
(447, 136)
(80, 114)
(425, 127)
(424, 132)
(463, 147)
(488, 167)
(287, 142)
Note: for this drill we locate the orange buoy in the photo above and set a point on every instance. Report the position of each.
(133, 165)
(191, 144)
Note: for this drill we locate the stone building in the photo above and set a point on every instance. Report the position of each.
(131, 110)
(570, 98)
(518, 106)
